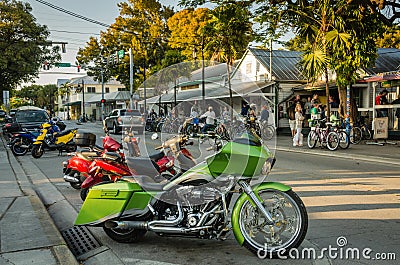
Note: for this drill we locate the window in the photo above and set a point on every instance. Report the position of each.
(107, 90)
(248, 68)
(122, 89)
(91, 89)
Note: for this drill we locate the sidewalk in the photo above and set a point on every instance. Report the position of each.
(387, 154)
(27, 232)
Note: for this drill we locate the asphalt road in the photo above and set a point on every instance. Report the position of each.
(358, 200)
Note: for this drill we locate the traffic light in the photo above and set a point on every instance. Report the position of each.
(103, 101)
(78, 67)
(46, 66)
(116, 58)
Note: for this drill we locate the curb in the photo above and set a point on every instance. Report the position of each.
(61, 252)
(63, 214)
(365, 158)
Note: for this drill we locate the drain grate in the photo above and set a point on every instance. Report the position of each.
(80, 240)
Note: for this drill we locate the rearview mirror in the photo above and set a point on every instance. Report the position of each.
(154, 136)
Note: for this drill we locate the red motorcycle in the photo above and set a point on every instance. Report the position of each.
(76, 169)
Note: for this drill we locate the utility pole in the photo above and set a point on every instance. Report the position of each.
(102, 94)
(144, 89)
(203, 85)
(131, 78)
(83, 101)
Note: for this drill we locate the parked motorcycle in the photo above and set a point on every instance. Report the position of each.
(21, 142)
(111, 165)
(61, 141)
(266, 218)
(76, 169)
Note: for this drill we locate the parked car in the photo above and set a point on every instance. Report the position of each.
(3, 115)
(120, 118)
(30, 119)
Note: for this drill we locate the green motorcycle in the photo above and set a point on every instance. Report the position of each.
(266, 218)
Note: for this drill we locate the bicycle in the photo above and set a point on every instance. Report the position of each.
(323, 136)
(354, 132)
(267, 130)
(365, 131)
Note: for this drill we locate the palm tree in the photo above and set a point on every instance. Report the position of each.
(323, 32)
(230, 32)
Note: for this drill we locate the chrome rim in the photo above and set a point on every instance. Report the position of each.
(287, 221)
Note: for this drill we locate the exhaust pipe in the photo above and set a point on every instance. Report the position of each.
(69, 178)
(161, 226)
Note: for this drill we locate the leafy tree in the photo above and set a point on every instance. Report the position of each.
(187, 31)
(230, 31)
(390, 38)
(38, 95)
(23, 45)
(349, 29)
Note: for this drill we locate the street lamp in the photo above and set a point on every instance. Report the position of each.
(203, 87)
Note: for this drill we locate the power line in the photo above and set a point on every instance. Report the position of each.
(74, 32)
(73, 14)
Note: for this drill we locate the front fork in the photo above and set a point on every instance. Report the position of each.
(248, 190)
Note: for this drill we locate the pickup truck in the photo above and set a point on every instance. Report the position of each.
(124, 118)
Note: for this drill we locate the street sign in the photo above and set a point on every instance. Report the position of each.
(121, 54)
(6, 97)
(62, 64)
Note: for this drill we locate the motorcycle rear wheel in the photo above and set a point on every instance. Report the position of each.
(37, 151)
(288, 231)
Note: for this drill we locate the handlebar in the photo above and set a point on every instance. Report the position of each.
(158, 147)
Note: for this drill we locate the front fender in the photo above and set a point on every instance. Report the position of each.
(244, 197)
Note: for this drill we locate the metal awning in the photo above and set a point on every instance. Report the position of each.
(111, 97)
(75, 103)
(212, 92)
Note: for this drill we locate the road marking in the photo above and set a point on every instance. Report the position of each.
(146, 262)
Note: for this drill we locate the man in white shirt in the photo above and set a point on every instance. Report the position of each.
(210, 119)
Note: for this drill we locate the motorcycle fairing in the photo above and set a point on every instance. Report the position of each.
(244, 197)
(111, 200)
(238, 159)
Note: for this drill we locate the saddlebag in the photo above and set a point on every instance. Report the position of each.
(111, 200)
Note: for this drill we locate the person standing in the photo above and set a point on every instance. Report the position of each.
(307, 107)
(299, 118)
(264, 114)
(397, 113)
(292, 119)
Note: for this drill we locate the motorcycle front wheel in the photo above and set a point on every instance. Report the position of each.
(18, 148)
(37, 151)
(287, 232)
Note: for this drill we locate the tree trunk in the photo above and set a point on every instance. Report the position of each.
(328, 109)
(342, 106)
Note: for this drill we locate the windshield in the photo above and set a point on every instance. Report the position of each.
(31, 116)
(130, 113)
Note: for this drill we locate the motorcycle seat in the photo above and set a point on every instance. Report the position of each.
(63, 133)
(147, 183)
(157, 156)
(98, 147)
(88, 156)
(112, 156)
